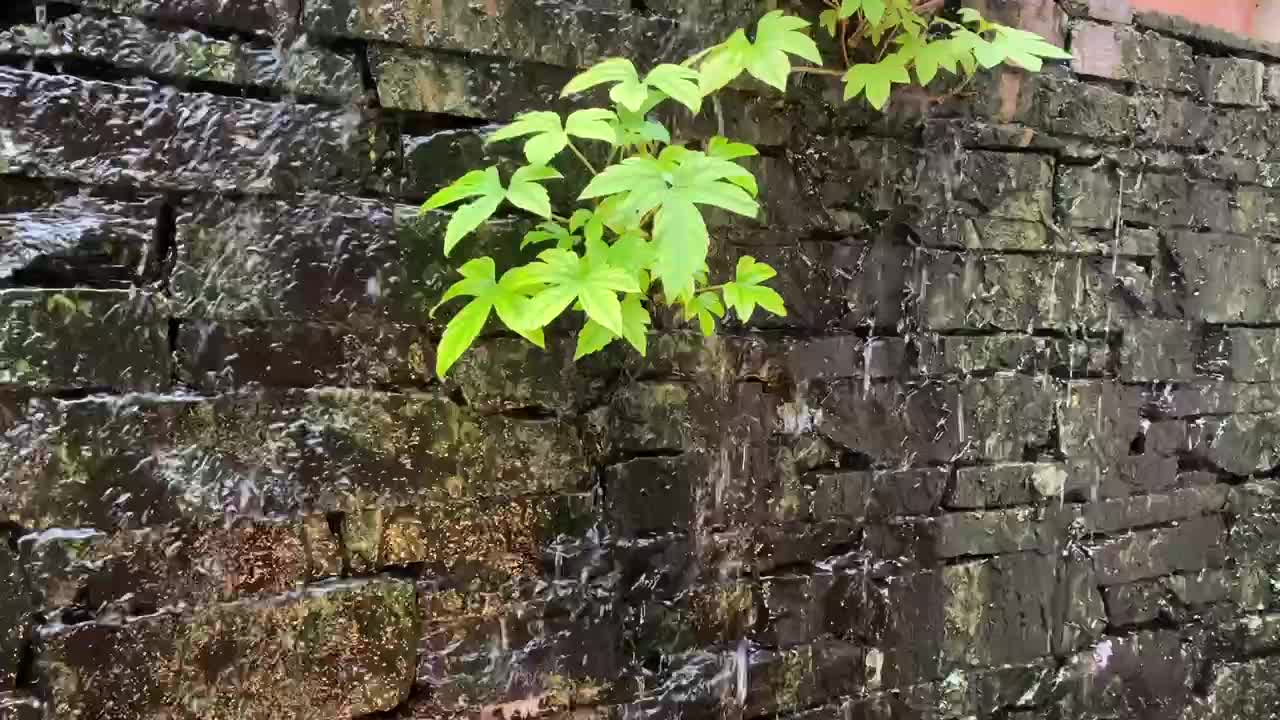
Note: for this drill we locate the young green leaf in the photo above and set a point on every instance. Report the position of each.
(593, 337)
(635, 322)
(829, 20)
(778, 36)
(568, 278)
(509, 297)
(746, 291)
(486, 186)
(525, 192)
(679, 82)
(875, 80)
(565, 239)
(706, 307)
(628, 91)
(592, 124)
(1025, 49)
(548, 135)
(725, 149)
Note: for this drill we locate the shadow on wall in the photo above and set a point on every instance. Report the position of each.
(1255, 18)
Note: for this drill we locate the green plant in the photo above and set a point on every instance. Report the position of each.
(640, 238)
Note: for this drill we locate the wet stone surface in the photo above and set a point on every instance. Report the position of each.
(1011, 454)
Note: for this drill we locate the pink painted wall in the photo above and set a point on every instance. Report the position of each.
(1256, 18)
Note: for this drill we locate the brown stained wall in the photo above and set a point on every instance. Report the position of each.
(1012, 454)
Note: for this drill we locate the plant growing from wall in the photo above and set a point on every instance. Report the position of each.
(638, 239)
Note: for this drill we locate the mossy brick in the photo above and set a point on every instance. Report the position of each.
(1097, 419)
(16, 617)
(655, 416)
(1253, 354)
(72, 240)
(1005, 484)
(274, 17)
(1240, 689)
(324, 554)
(150, 137)
(338, 649)
(145, 460)
(137, 571)
(1196, 544)
(491, 543)
(21, 706)
(223, 356)
(1113, 516)
(652, 495)
(1015, 293)
(1070, 107)
(965, 354)
(872, 495)
(1124, 676)
(325, 258)
(550, 33)
(1159, 350)
(512, 374)
(1214, 397)
(132, 44)
(842, 356)
(1173, 121)
(1012, 186)
(1230, 80)
(1226, 279)
(1238, 444)
(1118, 52)
(82, 339)
(996, 532)
(523, 655)
(1115, 11)
(466, 86)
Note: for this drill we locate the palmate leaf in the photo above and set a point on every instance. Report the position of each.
(778, 36)
(672, 185)
(635, 329)
(567, 278)
(549, 137)
(508, 297)
(485, 185)
(707, 308)
(632, 93)
(875, 80)
(1025, 49)
(746, 291)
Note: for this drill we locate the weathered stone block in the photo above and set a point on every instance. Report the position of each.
(218, 356)
(647, 417)
(652, 494)
(977, 353)
(1116, 11)
(1193, 545)
(276, 17)
(1013, 186)
(1122, 53)
(65, 240)
(1006, 484)
(1108, 517)
(152, 459)
(1098, 420)
(1273, 84)
(511, 373)
(321, 258)
(136, 572)
(1154, 350)
(873, 279)
(1240, 689)
(1231, 81)
(468, 86)
(82, 339)
(1069, 107)
(552, 33)
(1239, 444)
(342, 649)
(1016, 293)
(1253, 354)
(1089, 480)
(1173, 121)
(16, 617)
(860, 495)
(1125, 676)
(996, 532)
(151, 137)
(132, 44)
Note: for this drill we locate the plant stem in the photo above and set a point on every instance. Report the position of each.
(817, 71)
(583, 158)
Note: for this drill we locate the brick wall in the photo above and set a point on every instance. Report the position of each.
(1010, 455)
